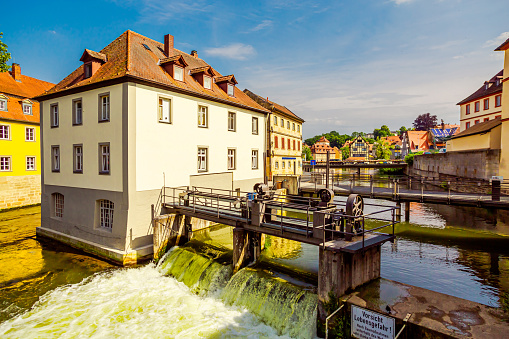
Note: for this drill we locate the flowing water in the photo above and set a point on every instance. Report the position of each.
(49, 290)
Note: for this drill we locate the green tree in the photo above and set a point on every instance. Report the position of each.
(402, 130)
(381, 132)
(4, 56)
(383, 149)
(345, 152)
(424, 122)
(306, 154)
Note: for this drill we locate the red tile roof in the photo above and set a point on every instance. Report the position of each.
(17, 91)
(93, 54)
(418, 138)
(265, 102)
(393, 139)
(482, 92)
(127, 57)
(504, 46)
(481, 127)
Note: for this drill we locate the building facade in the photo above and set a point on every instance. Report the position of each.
(284, 138)
(20, 161)
(136, 116)
(484, 104)
(320, 148)
(359, 149)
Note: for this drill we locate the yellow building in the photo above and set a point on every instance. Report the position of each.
(484, 104)
(20, 165)
(284, 138)
(320, 148)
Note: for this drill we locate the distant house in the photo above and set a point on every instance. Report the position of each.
(395, 142)
(414, 141)
(284, 138)
(484, 104)
(20, 161)
(440, 134)
(133, 117)
(320, 148)
(359, 148)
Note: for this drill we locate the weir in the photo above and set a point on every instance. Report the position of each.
(349, 254)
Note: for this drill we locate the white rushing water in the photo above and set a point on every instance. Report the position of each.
(133, 303)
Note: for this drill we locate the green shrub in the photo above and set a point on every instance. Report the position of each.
(409, 159)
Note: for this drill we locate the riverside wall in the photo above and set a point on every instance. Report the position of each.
(19, 191)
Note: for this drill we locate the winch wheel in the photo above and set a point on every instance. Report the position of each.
(326, 195)
(260, 188)
(354, 205)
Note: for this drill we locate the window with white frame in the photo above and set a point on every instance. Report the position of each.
(275, 120)
(54, 115)
(202, 159)
(106, 209)
(254, 159)
(289, 164)
(282, 122)
(165, 110)
(5, 132)
(282, 165)
(27, 108)
(298, 128)
(287, 124)
(104, 107)
(231, 158)
(202, 116)
(231, 91)
(104, 158)
(55, 158)
(29, 134)
(78, 158)
(232, 117)
(77, 112)
(276, 165)
(58, 205)
(30, 163)
(293, 126)
(178, 73)
(3, 103)
(207, 82)
(5, 164)
(88, 70)
(255, 125)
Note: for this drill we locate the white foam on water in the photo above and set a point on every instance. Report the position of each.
(132, 303)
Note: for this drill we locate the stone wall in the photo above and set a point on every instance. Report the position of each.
(474, 164)
(18, 191)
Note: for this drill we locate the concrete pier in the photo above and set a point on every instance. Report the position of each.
(246, 247)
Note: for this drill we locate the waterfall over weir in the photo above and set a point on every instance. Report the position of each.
(286, 307)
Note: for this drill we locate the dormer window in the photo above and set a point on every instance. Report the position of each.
(230, 90)
(227, 84)
(3, 102)
(27, 107)
(178, 73)
(92, 61)
(174, 66)
(207, 82)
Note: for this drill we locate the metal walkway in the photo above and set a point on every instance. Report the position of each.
(309, 220)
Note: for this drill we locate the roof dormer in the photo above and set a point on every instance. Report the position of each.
(92, 61)
(227, 84)
(174, 66)
(203, 75)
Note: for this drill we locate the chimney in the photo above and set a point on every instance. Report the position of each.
(16, 72)
(194, 53)
(168, 44)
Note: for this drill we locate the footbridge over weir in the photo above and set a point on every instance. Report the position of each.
(349, 253)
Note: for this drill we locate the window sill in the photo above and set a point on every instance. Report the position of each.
(27, 140)
(75, 124)
(232, 130)
(55, 171)
(54, 126)
(165, 122)
(105, 229)
(101, 121)
(202, 171)
(30, 170)
(78, 171)
(104, 172)
(203, 126)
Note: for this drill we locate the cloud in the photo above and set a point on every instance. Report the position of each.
(161, 11)
(497, 41)
(262, 25)
(399, 2)
(236, 51)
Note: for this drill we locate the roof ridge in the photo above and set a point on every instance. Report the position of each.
(128, 52)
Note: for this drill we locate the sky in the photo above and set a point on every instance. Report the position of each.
(340, 65)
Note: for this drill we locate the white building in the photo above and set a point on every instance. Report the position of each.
(134, 117)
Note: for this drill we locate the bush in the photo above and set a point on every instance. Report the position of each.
(409, 159)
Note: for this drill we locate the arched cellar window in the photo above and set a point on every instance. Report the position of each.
(106, 208)
(58, 205)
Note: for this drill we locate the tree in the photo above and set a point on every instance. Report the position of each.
(424, 122)
(345, 152)
(4, 56)
(383, 149)
(306, 153)
(402, 130)
(381, 132)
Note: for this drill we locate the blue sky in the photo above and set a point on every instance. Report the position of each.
(340, 65)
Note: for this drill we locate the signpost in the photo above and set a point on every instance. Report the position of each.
(312, 162)
(371, 325)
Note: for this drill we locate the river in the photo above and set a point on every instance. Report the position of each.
(50, 290)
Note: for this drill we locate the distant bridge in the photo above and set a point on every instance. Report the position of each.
(355, 164)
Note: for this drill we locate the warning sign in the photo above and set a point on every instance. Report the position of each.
(371, 325)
